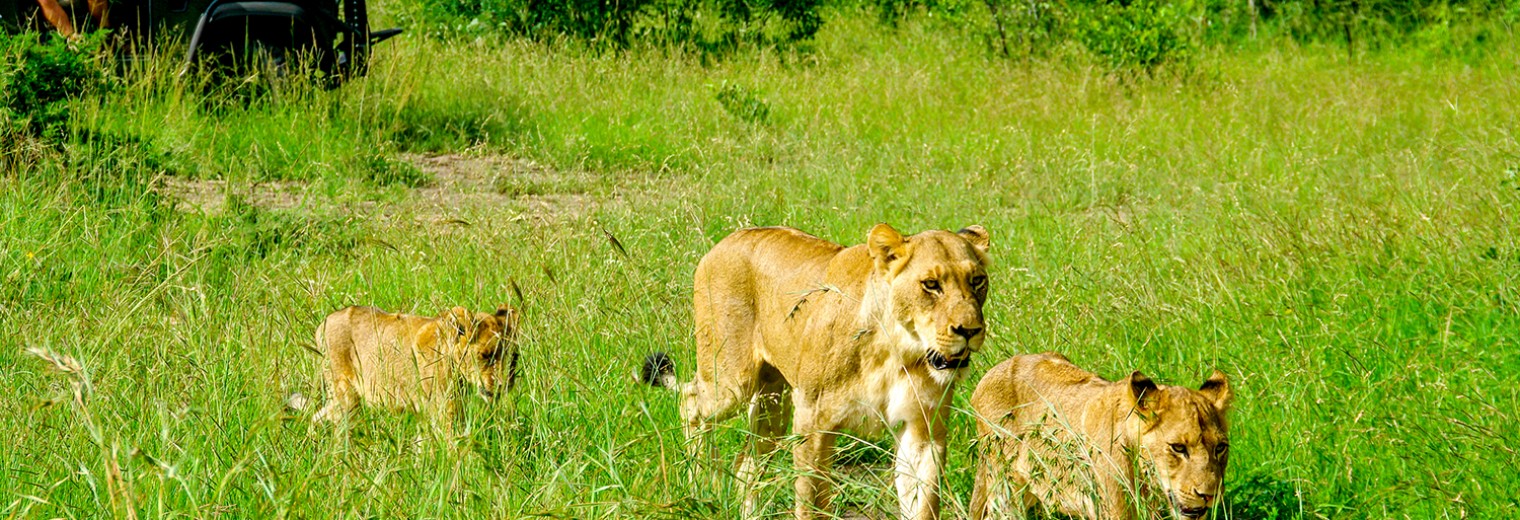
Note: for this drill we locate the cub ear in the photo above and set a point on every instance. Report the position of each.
(978, 237)
(885, 244)
(1217, 389)
(508, 316)
(1143, 390)
(458, 321)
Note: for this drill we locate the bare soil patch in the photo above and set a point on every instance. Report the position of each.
(463, 186)
(468, 182)
(211, 196)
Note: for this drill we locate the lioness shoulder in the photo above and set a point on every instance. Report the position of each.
(402, 361)
(1057, 436)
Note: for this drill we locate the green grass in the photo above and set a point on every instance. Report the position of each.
(1337, 234)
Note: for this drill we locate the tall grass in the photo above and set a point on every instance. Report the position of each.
(1336, 233)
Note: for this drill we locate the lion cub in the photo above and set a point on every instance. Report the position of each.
(1056, 435)
(400, 361)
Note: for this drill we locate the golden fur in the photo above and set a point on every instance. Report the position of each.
(863, 337)
(401, 361)
(1058, 436)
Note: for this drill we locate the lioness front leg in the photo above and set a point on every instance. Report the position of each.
(920, 455)
(813, 458)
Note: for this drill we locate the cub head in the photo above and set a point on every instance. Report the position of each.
(482, 347)
(1182, 434)
(936, 285)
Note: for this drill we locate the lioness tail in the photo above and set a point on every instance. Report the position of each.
(659, 371)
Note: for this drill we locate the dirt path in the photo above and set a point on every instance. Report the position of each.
(462, 187)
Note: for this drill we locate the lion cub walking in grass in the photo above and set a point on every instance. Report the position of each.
(400, 361)
(1056, 435)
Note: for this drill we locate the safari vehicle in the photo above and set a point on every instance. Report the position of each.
(230, 35)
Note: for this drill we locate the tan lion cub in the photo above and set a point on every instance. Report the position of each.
(1056, 435)
(406, 362)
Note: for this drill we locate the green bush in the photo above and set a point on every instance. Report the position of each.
(1375, 23)
(1139, 36)
(41, 76)
(617, 23)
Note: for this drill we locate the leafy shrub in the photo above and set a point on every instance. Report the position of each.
(891, 12)
(1028, 27)
(592, 20)
(1140, 35)
(1127, 35)
(1372, 23)
(616, 23)
(40, 77)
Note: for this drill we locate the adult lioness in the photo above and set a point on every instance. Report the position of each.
(410, 362)
(866, 336)
(1056, 435)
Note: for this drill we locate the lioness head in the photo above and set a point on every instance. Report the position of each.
(479, 344)
(1182, 432)
(937, 283)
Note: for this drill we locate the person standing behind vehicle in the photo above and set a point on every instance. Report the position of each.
(59, 18)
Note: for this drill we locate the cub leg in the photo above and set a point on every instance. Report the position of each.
(339, 373)
(981, 489)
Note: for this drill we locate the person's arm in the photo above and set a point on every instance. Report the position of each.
(101, 10)
(55, 15)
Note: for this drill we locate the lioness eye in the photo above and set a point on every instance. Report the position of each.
(931, 285)
(1221, 450)
(1180, 449)
(978, 282)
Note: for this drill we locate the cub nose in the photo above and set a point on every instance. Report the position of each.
(1205, 497)
(966, 332)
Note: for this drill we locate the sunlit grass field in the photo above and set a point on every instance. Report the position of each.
(1338, 233)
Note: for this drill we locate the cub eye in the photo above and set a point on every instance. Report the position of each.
(931, 285)
(1180, 449)
(978, 282)
(1222, 449)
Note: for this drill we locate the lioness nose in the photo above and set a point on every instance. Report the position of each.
(966, 332)
(1206, 497)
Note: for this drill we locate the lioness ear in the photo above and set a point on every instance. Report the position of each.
(885, 244)
(1217, 389)
(978, 237)
(1144, 391)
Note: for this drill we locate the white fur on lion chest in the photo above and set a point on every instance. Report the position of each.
(905, 398)
(910, 391)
